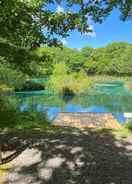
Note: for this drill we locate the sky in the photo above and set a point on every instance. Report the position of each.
(111, 30)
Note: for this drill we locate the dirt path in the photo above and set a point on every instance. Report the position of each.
(73, 157)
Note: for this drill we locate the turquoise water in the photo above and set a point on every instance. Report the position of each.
(104, 97)
(39, 80)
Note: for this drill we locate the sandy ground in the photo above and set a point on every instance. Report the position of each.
(72, 157)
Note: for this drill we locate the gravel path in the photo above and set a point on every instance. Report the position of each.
(73, 157)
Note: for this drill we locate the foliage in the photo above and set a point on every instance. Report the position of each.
(28, 23)
(115, 59)
(25, 25)
(129, 126)
(21, 59)
(12, 119)
(59, 79)
(9, 77)
(68, 84)
(45, 57)
(30, 86)
(4, 89)
(17, 22)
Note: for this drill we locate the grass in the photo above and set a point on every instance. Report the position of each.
(121, 133)
(100, 78)
(3, 170)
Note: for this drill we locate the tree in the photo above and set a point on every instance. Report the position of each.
(28, 23)
(17, 23)
(114, 59)
(87, 51)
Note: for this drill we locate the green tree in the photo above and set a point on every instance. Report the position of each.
(87, 51)
(27, 23)
(114, 59)
(30, 23)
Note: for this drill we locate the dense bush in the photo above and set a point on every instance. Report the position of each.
(29, 85)
(9, 76)
(64, 83)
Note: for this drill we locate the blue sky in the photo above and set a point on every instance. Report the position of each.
(112, 30)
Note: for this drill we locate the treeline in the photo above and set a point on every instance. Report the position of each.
(19, 64)
(114, 59)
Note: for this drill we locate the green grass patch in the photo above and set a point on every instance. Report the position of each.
(3, 170)
(128, 126)
(105, 78)
(121, 133)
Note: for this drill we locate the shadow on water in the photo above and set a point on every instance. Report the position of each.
(70, 156)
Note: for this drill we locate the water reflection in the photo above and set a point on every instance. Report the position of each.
(115, 104)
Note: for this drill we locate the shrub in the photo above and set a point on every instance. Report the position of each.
(129, 126)
(68, 84)
(67, 92)
(4, 88)
(29, 85)
(13, 119)
(9, 76)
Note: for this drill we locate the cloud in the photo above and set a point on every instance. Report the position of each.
(64, 41)
(92, 33)
(59, 9)
(79, 49)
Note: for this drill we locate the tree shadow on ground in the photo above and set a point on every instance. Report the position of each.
(72, 156)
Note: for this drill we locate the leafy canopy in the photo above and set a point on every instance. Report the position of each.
(28, 23)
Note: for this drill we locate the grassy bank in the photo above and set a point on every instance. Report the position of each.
(103, 78)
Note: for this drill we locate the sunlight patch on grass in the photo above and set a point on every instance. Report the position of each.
(3, 170)
(122, 133)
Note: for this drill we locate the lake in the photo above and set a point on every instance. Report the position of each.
(104, 97)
